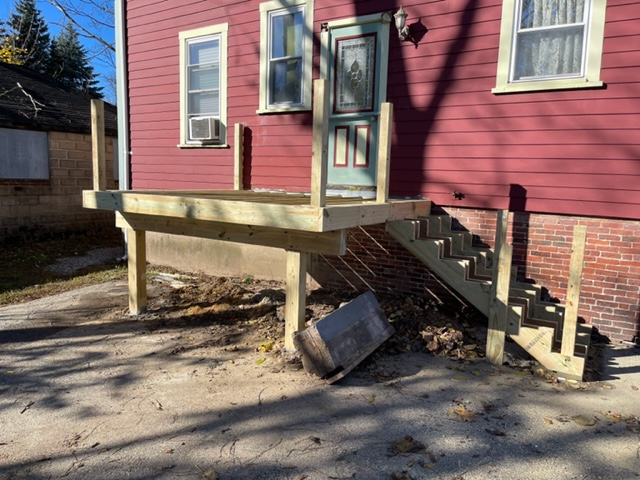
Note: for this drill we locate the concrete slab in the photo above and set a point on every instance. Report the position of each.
(102, 396)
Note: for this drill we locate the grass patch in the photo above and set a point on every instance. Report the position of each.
(25, 274)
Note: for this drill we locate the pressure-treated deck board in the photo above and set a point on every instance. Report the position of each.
(265, 209)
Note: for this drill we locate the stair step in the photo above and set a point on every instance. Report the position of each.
(453, 246)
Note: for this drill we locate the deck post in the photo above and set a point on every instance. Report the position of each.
(573, 291)
(137, 267)
(320, 143)
(97, 145)
(384, 153)
(238, 156)
(498, 304)
(295, 291)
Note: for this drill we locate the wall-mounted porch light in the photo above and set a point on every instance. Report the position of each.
(404, 34)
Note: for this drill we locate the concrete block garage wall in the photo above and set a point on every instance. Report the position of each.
(36, 208)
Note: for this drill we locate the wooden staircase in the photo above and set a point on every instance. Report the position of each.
(484, 277)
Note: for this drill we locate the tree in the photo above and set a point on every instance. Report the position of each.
(9, 53)
(68, 62)
(94, 20)
(26, 40)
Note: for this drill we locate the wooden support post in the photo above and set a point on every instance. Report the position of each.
(573, 291)
(97, 145)
(384, 153)
(320, 145)
(296, 292)
(137, 264)
(238, 156)
(498, 305)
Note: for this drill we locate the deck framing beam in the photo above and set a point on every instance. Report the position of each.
(326, 243)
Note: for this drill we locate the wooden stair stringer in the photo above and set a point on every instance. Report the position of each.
(456, 246)
(462, 241)
(535, 335)
(453, 273)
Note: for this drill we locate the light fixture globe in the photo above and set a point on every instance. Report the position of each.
(400, 19)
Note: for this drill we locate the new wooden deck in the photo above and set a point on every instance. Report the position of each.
(298, 223)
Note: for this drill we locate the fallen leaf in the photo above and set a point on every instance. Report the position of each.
(496, 432)
(260, 360)
(584, 420)
(548, 421)
(463, 413)
(371, 398)
(266, 345)
(401, 475)
(208, 474)
(406, 445)
(633, 387)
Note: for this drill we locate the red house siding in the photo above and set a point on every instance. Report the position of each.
(562, 157)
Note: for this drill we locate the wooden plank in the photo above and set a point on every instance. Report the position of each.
(573, 291)
(538, 341)
(137, 265)
(326, 243)
(498, 303)
(345, 216)
(295, 291)
(238, 156)
(498, 307)
(293, 217)
(98, 145)
(384, 153)
(450, 272)
(320, 145)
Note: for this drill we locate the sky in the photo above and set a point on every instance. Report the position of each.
(54, 20)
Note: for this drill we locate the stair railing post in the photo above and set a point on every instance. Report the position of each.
(498, 304)
(573, 291)
(384, 153)
(238, 156)
(320, 143)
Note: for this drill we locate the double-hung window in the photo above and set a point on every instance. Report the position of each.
(550, 44)
(285, 55)
(203, 78)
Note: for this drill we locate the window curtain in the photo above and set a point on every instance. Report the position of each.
(550, 38)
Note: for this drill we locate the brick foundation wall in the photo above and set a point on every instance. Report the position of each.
(375, 261)
(610, 293)
(34, 209)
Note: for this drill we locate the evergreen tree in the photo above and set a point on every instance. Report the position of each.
(68, 62)
(27, 36)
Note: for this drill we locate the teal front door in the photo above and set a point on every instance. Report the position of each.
(356, 68)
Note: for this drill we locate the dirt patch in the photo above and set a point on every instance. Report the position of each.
(248, 314)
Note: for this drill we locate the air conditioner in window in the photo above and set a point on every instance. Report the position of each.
(205, 129)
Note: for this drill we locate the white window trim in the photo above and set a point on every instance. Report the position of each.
(265, 9)
(593, 55)
(220, 29)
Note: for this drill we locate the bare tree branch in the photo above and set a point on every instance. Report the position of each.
(37, 106)
(72, 14)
